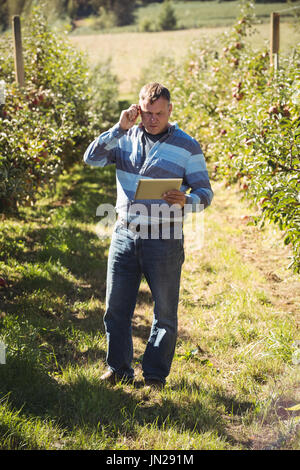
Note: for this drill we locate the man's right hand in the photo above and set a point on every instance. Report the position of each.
(129, 116)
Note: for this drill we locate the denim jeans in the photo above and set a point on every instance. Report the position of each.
(160, 261)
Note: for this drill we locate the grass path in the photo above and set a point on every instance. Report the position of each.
(234, 374)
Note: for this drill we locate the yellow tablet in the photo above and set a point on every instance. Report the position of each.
(156, 187)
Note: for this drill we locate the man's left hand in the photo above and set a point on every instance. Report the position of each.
(175, 197)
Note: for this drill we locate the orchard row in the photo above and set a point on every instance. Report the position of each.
(46, 125)
(246, 116)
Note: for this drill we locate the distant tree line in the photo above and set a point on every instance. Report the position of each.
(122, 10)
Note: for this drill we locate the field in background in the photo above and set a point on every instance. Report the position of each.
(191, 15)
(199, 14)
(130, 52)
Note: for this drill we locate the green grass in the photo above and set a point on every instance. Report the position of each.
(233, 371)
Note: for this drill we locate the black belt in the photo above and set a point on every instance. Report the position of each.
(147, 228)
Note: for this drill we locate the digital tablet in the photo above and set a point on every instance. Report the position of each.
(156, 187)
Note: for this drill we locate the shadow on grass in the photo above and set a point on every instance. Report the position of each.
(107, 410)
(59, 266)
(60, 255)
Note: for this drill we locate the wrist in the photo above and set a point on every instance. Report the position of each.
(122, 128)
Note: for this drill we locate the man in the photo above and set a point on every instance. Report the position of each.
(153, 149)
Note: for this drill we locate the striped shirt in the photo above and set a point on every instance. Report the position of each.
(175, 155)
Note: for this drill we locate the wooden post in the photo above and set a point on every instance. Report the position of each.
(274, 42)
(19, 65)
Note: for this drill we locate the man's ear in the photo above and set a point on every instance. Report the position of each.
(170, 108)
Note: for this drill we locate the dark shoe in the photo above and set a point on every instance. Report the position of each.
(155, 384)
(112, 378)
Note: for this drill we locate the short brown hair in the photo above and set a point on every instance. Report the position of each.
(153, 91)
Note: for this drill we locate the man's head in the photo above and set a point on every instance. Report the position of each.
(155, 107)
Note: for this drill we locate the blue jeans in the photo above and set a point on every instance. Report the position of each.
(160, 260)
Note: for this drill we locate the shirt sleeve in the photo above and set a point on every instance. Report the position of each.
(196, 178)
(103, 150)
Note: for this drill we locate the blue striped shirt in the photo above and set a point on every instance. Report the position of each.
(175, 155)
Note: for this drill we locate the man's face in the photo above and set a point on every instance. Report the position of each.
(155, 116)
